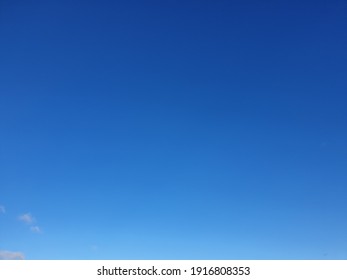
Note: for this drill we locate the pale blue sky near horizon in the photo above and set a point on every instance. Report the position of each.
(173, 129)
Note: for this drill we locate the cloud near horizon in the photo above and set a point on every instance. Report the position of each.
(2, 209)
(8, 255)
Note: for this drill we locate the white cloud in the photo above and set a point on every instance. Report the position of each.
(8, 255)
(27, 218)
(35, 229)
(31, 222)
(2, 209)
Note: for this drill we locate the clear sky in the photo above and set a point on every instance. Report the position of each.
(173, 129)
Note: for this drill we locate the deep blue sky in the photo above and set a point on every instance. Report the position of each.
(173, 129)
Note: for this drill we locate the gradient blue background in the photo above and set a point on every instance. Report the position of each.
(174, 129)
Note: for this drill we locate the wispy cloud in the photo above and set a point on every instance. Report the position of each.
(2, 209)
(35, 229)
(8, 255)
(27, 218)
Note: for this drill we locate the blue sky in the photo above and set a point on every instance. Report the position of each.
(173, 129)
